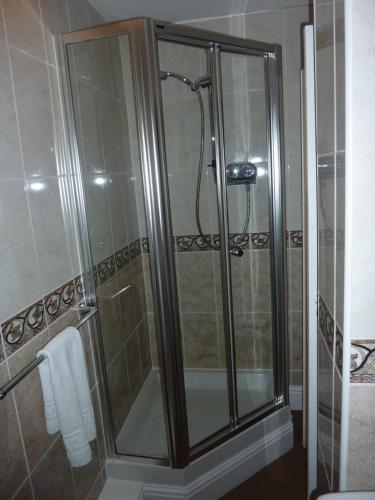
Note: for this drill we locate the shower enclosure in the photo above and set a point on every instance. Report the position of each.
(176, 140)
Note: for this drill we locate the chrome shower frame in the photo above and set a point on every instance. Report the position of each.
(144, 35)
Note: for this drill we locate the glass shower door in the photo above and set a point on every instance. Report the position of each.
(246, 144)
(217, 133)
(192, 194)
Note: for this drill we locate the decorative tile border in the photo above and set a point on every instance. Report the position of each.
(326, 324)
(250, 241)
(295, 239)
(260, 241)
(22, 327)
(105, 269)
(362, 361)
(28, 323)
(194, 243)
(327, 327)
(339, 349)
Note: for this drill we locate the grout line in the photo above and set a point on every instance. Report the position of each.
(58, 132)
(324, 463)
(125, 343)
(35, 254)
(45, 453)
(32, 56)
(325, 343)
(242, 14)
(27, 480)
(95, 482)
(20, 430)
(32, 232)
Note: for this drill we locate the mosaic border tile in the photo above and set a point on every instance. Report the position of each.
(59, 301)
(23, 327)
(260, 241)
(339, 349)
(362, 361)
(295, 239)
(145, 245)
(250, 241)
(326, 324)
(194, 243)
(28, 323)
(106, 268)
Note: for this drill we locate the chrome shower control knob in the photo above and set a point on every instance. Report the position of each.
(241, 173)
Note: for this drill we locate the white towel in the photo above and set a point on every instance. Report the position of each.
(67, 400)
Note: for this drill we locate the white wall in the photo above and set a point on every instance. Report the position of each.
(360, 242)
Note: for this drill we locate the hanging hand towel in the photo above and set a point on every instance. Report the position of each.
(66, 394)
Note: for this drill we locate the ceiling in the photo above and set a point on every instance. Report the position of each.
(185, 10)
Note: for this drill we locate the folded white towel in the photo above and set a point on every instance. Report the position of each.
(67, 400)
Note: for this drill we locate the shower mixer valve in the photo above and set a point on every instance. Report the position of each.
(241, 173)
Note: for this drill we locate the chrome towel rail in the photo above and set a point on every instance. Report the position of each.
(33, 364)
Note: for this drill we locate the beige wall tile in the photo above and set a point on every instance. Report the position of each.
(118, 381)
(12, 460)
(24, 26)
(134, 365)
(260, 272)
(52, 478)
(85, 477)
(33, 103)
(200, 340)
(47, 217)
(196, 278)
(325, 385)
(110, 319)
(263, 340)
(10, 150)
(241, 282)
(145, 348)
(21, 263)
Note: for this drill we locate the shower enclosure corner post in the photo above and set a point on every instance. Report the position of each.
(163, 273)
(273, 69)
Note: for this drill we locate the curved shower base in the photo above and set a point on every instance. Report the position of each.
(212, 475)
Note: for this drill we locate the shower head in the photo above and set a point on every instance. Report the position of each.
(202, 81)
(163, 75)
(170, 74)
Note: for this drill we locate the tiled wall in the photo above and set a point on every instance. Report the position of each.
(330, 78)
(361, 240)
(126, 337)
(40, 270)
(280, 26)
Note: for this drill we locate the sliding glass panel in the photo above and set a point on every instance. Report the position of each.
(245, 136)
(104, 109)
(193, 200)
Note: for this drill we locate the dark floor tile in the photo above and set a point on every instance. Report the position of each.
(283, 479)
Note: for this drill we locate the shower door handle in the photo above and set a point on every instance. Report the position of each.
(123, 290)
